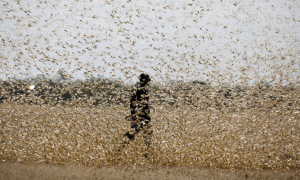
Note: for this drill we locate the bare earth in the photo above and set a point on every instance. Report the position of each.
(33, 171)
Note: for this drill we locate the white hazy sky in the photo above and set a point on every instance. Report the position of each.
(216, 41)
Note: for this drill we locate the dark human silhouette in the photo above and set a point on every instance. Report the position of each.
(140, 112)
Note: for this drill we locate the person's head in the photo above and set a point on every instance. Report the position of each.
(144, 78)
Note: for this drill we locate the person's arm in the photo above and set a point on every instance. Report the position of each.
(133, 101)
(146, 108)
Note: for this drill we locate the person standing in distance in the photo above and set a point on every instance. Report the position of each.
(140, 112)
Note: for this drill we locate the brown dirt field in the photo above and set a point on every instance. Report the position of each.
(15, 171)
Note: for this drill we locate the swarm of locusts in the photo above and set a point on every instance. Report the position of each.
(224, 92)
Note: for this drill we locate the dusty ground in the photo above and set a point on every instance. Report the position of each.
(14, 171)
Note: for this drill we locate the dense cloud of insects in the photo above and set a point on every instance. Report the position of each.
(217, 99)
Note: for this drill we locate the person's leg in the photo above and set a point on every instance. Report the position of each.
(130, 135)
(147, 134)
